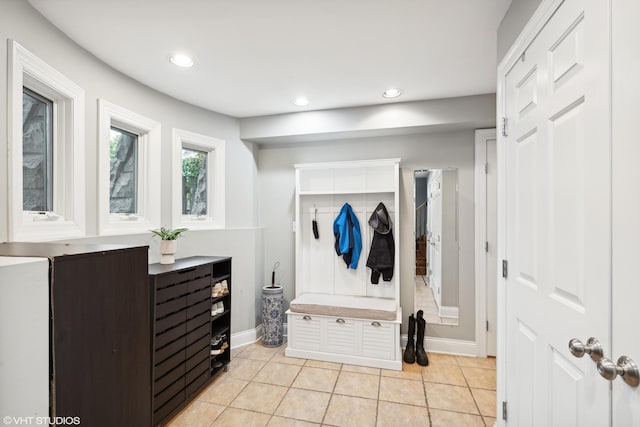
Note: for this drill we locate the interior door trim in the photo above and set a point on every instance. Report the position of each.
(481, 138)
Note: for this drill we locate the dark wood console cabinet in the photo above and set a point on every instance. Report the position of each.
(99, 344)
(182, 328)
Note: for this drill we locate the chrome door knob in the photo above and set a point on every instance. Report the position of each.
(592, 348)
(626, 368)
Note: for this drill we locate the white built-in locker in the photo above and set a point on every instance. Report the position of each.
(321, 191)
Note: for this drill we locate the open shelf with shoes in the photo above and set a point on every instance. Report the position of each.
(220, 346)
(188, 310)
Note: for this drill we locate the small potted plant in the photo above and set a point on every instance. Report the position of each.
(168, 243)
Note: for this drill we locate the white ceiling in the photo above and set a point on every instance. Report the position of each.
(254, 56)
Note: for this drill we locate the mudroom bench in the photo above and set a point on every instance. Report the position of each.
(350, 329)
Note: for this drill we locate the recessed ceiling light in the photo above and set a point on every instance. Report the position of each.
(301, 101)
(181, 60)
(392, 93)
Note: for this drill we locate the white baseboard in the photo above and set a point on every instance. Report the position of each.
(447, 346)
(240, 339)
(432, 344)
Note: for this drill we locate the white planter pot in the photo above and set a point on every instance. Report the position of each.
(167, 251)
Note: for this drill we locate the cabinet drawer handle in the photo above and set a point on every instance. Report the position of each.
(376, 324)
(340, 321)
(306, 317)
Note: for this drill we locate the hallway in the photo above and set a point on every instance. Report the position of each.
(425, 301)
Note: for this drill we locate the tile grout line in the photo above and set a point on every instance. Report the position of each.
(227, 406)
(285, 395)
(468, 387)
(378, 396)
(326, 410)
(276, 408)
(249, 381)
(426, 400)
(475, 401)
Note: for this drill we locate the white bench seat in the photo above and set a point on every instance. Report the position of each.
(358, 307)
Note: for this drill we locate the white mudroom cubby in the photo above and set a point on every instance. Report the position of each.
(335, 330)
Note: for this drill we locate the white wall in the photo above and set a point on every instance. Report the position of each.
(513, 22)
(421, 151)
(242, 239)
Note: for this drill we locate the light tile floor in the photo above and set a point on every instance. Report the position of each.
(263, 387)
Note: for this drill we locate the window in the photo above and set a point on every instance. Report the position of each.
(37, 152)
(123, 171)
(128, 171)
(198, 181)
(194, 182)
(46, 160)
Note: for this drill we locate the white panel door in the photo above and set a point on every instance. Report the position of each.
(626, 204)
(558, 220)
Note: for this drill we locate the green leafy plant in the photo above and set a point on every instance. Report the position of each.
(168, 234)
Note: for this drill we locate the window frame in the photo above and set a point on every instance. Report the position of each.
(215, 149)
(67, 220)
(148, 167)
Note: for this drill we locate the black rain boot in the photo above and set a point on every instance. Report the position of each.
(421, 355)
(409, 353)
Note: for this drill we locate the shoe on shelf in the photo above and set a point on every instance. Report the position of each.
(219, 344)
(218, 341)
(217, 308)
(216, 290)
(224, 285)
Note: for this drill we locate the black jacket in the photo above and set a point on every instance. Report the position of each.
(383, 249)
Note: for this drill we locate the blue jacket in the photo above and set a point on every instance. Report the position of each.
(346, 230)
